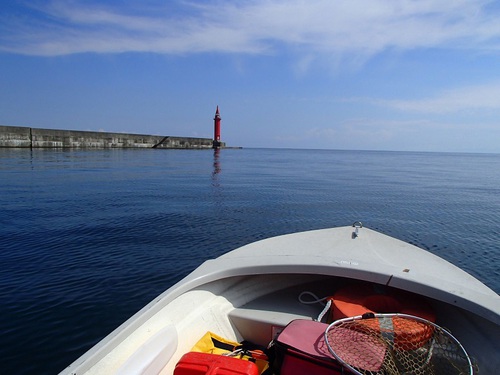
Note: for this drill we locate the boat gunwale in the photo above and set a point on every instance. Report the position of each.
(225, 267)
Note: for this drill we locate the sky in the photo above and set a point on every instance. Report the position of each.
(396, 75)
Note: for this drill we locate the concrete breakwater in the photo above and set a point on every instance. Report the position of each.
(27, 137)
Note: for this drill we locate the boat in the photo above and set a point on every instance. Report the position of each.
(253, 292)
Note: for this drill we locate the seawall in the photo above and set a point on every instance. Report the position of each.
(27, 137)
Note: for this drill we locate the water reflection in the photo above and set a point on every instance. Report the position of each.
(216, 167)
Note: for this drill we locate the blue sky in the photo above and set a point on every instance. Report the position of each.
(330, 74)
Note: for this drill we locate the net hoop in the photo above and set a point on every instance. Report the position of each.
(369, 339)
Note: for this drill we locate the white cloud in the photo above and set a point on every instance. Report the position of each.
(342, 27)
(390, 134)
(481, 97)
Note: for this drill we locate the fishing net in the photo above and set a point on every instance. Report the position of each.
(396, 344)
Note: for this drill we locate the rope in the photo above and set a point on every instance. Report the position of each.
(325, 310)
(315, 299)
(311, 294)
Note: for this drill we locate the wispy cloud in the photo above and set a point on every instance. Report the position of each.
(356, 133)
(335, 28)
(480, 97)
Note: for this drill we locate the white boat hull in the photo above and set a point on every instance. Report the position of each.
(252, 292)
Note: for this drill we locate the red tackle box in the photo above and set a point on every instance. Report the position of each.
(195, 363)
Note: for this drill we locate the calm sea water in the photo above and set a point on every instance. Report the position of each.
(89, 237)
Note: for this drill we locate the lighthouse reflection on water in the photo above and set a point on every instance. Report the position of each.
(216, 146)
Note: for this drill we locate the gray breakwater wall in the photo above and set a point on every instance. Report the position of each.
(26, 137)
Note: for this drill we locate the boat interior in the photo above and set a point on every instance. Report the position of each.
(255, 308)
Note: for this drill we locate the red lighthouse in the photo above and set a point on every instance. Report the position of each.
(217, 142)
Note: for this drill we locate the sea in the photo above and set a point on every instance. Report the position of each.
(88, 237)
